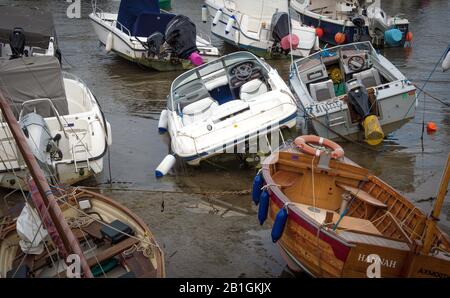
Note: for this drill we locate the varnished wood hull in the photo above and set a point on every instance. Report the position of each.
(322, 252)
(109, 211)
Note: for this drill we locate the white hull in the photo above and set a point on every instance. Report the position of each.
(251, 34)
(131, 47)
(85, 137)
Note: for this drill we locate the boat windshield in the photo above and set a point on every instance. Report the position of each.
(205, 80)
(337, 51)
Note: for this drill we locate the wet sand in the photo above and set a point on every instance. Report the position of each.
(203, 239)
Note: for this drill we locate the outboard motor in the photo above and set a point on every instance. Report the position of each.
(283, 41)
(17, 42)
(154, 43)
(360, 23)
(358, 98)
(181, 36)
(42, 144)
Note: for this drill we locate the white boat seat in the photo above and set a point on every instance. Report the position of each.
(199, 110)
(252, 88)
(369, 78)
(322, 90)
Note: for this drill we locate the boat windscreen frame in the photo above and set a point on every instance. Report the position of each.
(195, 74)
(364, 45)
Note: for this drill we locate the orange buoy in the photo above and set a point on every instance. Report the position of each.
(319, 32)
(409, 36)
(431, 127)
(302, 143)
(339, 38)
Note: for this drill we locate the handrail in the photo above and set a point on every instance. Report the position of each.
(31, 101)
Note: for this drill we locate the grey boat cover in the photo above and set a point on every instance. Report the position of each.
(29, 78)
(37, 24)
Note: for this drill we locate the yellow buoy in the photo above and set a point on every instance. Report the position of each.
(373, 132)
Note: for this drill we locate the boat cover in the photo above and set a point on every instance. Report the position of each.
(181, 35)
(37, 24)
(280, 25)
(28, 78)
(129, 11)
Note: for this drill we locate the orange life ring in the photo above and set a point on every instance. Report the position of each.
(302, 144)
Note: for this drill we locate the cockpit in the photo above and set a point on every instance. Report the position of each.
(326, 73)
(228, 82)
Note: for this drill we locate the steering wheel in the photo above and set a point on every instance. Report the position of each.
(356, 63)
(243, 71)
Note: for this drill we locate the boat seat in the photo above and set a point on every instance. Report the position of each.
(199, 110)
(322, 91)
(112, 251)
(252, 89)
(369, 78)
(362, 195)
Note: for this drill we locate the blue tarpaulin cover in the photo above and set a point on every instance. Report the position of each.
(129, 11)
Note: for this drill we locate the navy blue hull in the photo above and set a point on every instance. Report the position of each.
(352, 33)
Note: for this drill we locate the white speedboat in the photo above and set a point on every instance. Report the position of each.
(262, 27)
(347, 21)
(221, 105)
(27, 32)
(144, 34)
(351, 90)
(61, 118)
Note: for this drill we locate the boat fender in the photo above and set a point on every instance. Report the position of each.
(164, 167)
(392, 36)
(339, 38)
(279, 224)
(409, 36)
(446, 62)
(319, 32)
(230, 24)
(204, 13)
(217, 17)
(163, 122)
(196, 59)
(109, 42)
(263, 207)
(317, 44)
(256, 190)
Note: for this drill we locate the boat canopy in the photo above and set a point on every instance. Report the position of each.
(143, 17)
(29, 78)
(37, 24)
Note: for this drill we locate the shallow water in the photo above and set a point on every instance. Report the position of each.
(131, 98)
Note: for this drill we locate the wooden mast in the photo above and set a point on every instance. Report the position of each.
(434, 216)
(65, 233)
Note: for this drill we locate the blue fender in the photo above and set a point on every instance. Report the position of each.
(392, 36)
(256, 190)
(279, 224)
(263, 207)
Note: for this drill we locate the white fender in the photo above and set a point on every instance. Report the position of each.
(163, 122)
(446, 62)
(109, 42)
(204, 13)
(317, 44)
(217, 17)
(230, 24)
(164, 167)
(108, 130)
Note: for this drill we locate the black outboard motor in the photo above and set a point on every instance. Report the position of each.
(358, 98)
(154, 43)
(181, 36)
(17, 42)
(360, 23)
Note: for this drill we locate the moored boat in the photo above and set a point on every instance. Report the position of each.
(346, 21)
(223, 105)
(333, 218)
(351, 91)
(262, 27)
(64, 120)
(142, 33)
(71, 232)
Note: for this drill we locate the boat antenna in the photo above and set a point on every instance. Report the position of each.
(69, 241)
(434, 215)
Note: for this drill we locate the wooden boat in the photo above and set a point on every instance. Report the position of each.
(90, 234)
(332, 218)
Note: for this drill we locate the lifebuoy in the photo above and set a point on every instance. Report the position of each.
(302, 143)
